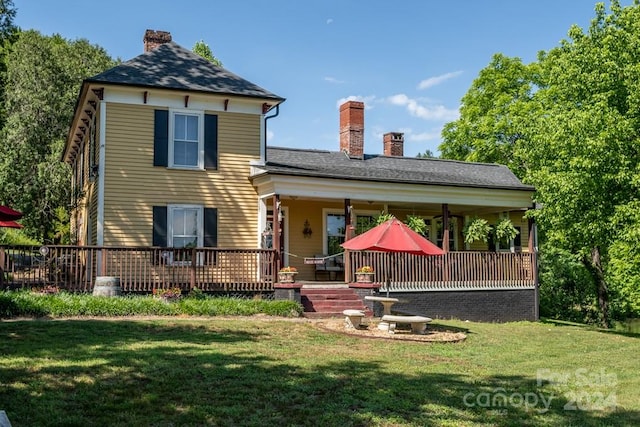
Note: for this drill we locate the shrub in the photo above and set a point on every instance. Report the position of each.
(64, 304)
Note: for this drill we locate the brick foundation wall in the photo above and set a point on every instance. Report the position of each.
(478, 306)
(287, 291)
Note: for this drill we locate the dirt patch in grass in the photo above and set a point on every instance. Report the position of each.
(369, 329)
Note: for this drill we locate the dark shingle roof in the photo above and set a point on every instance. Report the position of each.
(335, 164)
(171, 66)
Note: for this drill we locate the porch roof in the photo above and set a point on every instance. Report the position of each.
(379, 168)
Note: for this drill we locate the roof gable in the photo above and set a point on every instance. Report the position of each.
(171, 66)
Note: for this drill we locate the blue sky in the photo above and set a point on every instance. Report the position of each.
(410, 61)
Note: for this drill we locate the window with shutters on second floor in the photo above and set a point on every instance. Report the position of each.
(185, 139)
(186, 147)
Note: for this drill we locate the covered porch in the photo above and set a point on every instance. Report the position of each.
(305, 218)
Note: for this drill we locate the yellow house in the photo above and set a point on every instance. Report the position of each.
(161, 147)
(169, 151)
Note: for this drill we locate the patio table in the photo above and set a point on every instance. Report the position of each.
(387, 302)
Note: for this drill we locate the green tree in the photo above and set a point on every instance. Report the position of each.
(203, 49)
(568, 124)
(428, 154)
(43, 79)
(492, 115)
(8, 35)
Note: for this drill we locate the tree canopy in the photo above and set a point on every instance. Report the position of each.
(568, 123)
(44, 74)
(203, 49)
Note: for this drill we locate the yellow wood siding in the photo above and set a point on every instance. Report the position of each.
(133, 185)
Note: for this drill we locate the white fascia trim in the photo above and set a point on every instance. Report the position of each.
(176, 99)
(390, 192)
(101, 169)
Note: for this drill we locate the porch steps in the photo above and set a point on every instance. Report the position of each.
(330, 301)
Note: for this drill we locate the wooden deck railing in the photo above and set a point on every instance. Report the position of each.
(140, 269)
(451, 271)
(143, 269)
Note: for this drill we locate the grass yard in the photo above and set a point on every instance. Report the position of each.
(261, 370)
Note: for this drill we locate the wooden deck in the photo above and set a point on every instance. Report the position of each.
(142, 269)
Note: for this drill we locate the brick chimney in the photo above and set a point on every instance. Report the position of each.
(352, 128)
(152, 39)
(393, 143)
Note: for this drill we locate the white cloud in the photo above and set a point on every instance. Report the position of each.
(368, 100)
(434, 81)
(333, 80)
(424, 136)
(425, 112)
(329, 21)
(270, 135)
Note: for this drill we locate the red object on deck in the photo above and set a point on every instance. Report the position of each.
(8, 214)
(392, 236)
(10, 224)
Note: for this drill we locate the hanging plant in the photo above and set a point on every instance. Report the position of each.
(505, 231)
(383, 217)
(476, 229)
(417, 224)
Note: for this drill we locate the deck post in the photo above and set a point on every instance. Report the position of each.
(103, 262)
(192, 272)
(445, 227)
(277, 215)
(531, 225)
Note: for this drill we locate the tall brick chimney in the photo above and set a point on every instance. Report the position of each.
(152, 39)
(352, 128)
(393, 143)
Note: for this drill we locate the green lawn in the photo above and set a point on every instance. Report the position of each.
(277, 372)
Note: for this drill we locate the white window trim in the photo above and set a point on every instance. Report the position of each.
(434, 232)
(356, 213)
(325, 235)
(200, 115)
(171, 209)
(200, 239)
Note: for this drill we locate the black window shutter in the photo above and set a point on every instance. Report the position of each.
(210, 141)
(210, 227)
(160, 226)
(161, 138)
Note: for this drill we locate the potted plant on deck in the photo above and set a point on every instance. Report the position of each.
(167, 295)
(287, 274)
(364, 274)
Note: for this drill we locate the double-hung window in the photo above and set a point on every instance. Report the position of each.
(185, 139)
(186, 144)
(185, 226)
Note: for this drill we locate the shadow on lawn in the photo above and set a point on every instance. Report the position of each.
(590, 328)
(168, 373)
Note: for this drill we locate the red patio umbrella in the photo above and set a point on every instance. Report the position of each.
(10, 224)
(8, 214)
(392, 236)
